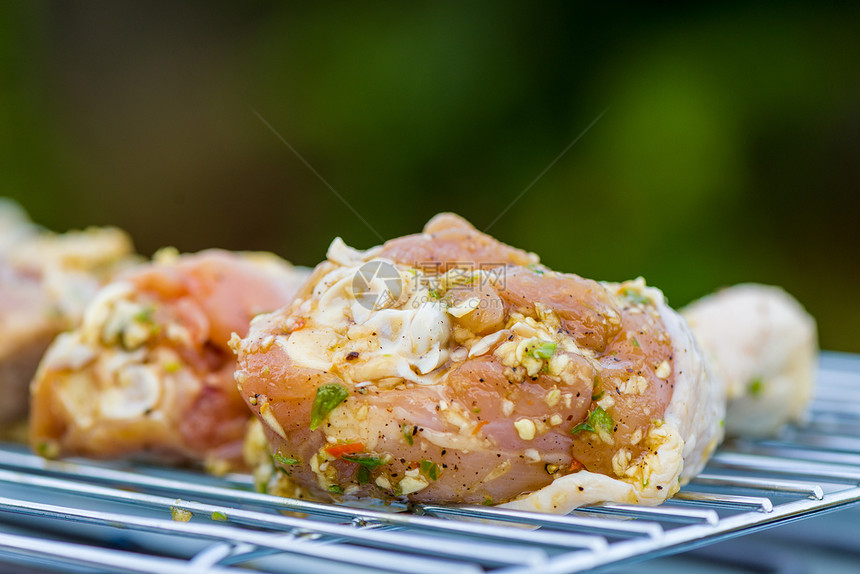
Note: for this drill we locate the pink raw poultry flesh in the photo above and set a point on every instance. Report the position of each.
(477, 376)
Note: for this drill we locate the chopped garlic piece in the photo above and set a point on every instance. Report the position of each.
(620, 462)
(664, 370)
(180, 514)
(410, 484)
(525, 428)
(382, 482)
(606, 403)
(484, 345)
(464, 308)
(635, 385)
(269, 418)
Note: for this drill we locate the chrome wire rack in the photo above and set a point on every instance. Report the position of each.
(81, 516)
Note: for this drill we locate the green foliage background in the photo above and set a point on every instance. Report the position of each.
(729, 149)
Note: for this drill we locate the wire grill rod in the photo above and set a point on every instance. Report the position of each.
(80, 516)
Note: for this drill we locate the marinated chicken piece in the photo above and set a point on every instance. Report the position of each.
(148, 373)
(46, 280)
(449, 367)
(764, 345)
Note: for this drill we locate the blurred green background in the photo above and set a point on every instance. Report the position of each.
(729, 150)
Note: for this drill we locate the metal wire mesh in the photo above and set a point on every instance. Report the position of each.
(81, 516)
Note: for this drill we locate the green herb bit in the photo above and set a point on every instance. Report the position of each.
(367, 460)
(430, 468)
(335, 489)
(597, 418)
(434, 294)
(543, 351)
(363, 475)
(598, 396)
(48, 449)
(476, 410)
(328, 397)
(285, 460)
(145, 315)
(755, 387)
(487, 501)
(407, 433)
(635, 342)
(261, 486)
(635, 297)
(722, 422)
(534, 267)
(219, 516)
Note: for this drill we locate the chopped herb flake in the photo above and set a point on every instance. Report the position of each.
(543, 351)
(370, 461)
(219, 516)
(328, 397)
(597, 418)
(755, 387)
(284, 460)
(487, 501)
(635, 342)
(431, 469)
(635, 297)
(598, 396)
(536, 268)
(48, 449)
(335, 489)
(407, 433)
(583, 426)
(363, 475)
(145, 314)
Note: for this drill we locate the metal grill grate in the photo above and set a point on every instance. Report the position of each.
(81, 516)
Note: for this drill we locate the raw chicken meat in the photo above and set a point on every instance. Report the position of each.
(148, 372)
(764, 345)
(449, 367)
(46, 279)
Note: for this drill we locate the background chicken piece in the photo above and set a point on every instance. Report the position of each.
(449, 367)
(148, 372)
(765, 346)
(46, 279)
